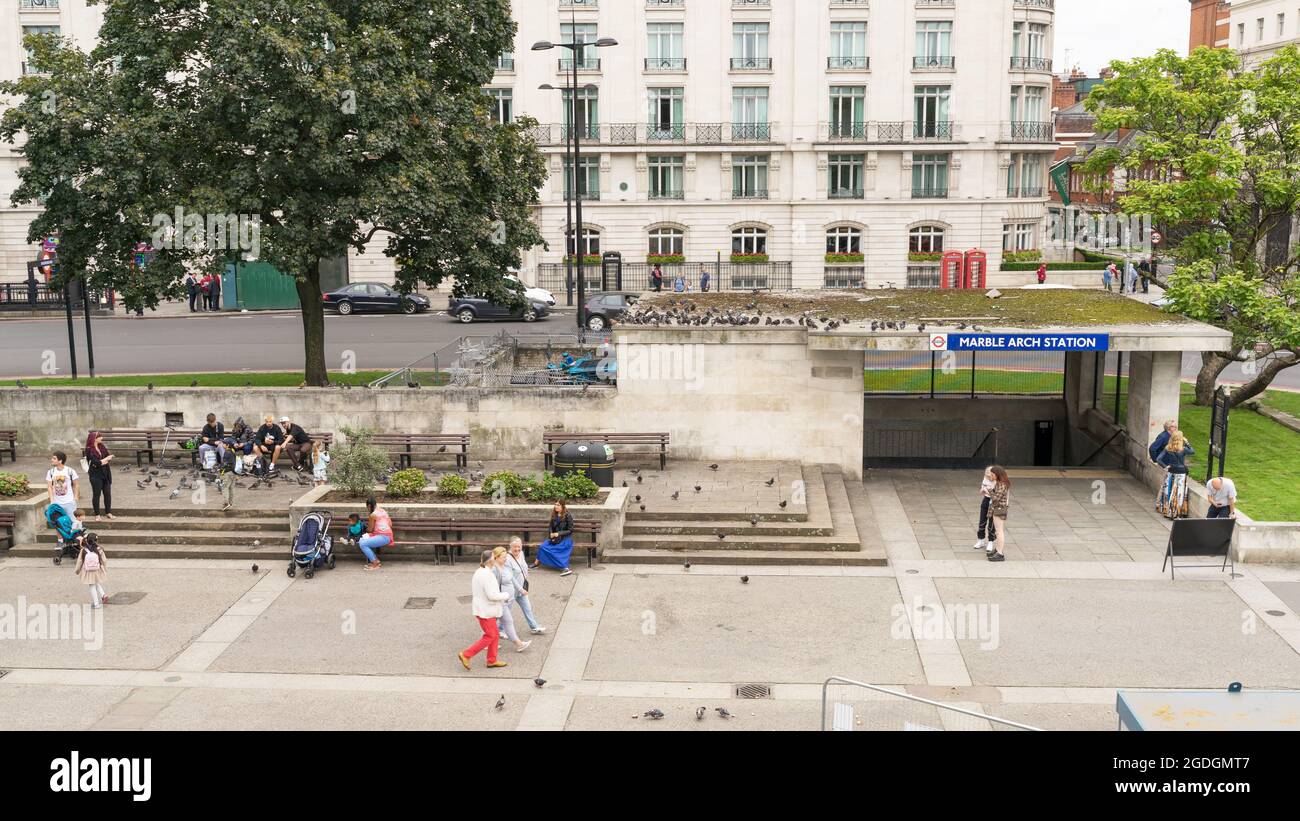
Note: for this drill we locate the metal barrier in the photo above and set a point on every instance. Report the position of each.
(488, 360)
(725, 276)
(948, 448)
(849, 705)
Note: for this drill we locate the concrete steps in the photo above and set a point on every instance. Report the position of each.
(238, 524)
(827, 536)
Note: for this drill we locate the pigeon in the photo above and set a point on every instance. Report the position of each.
(149, 386)
(637, 498)
(20, 383)
(686, 565)
(174, 493)
(722, 711)
(643, 508)
(698, 488)
(753, 521)
(635, 471)
(783, 504)
(722, 536)
(638, 479)
(153, 472)
(254, 568)
(624, 483)
(539, 682)
(654, 714)
(770, 482)
(676, 493)
(744, 580)
(699, 714)
(713, 466)
(141, 484)
(501, 702)
(442, 449)
(194, 383)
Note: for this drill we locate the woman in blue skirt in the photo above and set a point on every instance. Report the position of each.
(556, 550)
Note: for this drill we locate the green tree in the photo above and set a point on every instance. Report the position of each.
(1226, 141)
(323, 122)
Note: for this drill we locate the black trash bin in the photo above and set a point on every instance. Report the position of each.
(594, 459)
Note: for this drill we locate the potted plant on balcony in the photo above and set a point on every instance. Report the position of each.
(588, 259)
(748, 259)
(665, 259)
(844, 259)
(934, 256)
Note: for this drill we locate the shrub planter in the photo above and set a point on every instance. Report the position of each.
(29, 515)
(607, 508)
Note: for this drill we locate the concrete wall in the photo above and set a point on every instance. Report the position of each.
(720, 394)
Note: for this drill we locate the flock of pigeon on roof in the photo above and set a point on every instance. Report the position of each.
(686, 313)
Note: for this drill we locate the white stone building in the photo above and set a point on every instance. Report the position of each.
(883, 128)
(793, 128)
(1258, 28)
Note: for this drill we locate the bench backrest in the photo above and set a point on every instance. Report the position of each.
(419, 438)
(612, 438)
(7, 519)
(177, 434)
(480, 525)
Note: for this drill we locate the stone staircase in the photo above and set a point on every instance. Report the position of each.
(824, 533)
(175, 533)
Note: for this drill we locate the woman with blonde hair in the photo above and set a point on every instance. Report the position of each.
(1172, 503)
(506, 624)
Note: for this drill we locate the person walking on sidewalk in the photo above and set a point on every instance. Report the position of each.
(506, 581)
(100, 473)
(986, 531)
(90, 567)
(999, 506)
(518, 566)
(192, 289)
(486, 608)
(1108, 276)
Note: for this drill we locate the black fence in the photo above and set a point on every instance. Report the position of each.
(21, 296)
(725, 276)
(949, 448)
(968, 374)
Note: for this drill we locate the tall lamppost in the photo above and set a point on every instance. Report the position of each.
(568, 200)
(579, 179)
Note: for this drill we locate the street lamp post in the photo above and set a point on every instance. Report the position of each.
(575, 120)
(568, 200)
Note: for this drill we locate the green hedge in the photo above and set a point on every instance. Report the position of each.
(844, 259)
(665, 259)
(1051, 266)
(589, 259)
(748, 259)
(913, 257)
(1022, 256)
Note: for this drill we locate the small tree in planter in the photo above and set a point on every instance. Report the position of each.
(452, 485)
(407, 483)
(358, 465)
(504, 484)
(14, 484)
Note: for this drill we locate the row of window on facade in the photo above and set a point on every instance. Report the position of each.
(750, 45)
(843, 240)
(1261, 28)
(846, 176)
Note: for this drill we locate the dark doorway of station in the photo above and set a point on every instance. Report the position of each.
(1044, 439)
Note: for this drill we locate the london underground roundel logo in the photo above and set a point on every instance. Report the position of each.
(938, 342)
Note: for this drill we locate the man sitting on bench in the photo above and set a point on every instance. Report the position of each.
(296, 443)
(267, 442)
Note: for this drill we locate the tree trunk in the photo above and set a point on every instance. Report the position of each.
(313, 328)
(1263, 378)
(1212, 364)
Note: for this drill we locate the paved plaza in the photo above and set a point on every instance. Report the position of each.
(1079, 609)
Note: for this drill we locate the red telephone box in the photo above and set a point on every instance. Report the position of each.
(950, 272)
(975, 273)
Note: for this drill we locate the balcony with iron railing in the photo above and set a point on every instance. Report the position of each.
(924, 3)
(665, 64)
(1049, 5)
(845, 194)
(1031, 64)
(667, 194)
(843, 132)
(653, 133)
(751, 63)
(586, 195)
(1031, 132)
(584, 64)
(930, 193)
(504, 64)
(591, 4)
(848, 63)
(934, 62)
(932, 130)
(38, 5)
(749, 193)
(657, 4)
(854, 3)
(745, 4)
(1025, 192)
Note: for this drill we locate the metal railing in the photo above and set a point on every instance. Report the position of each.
(1032, 132)
(38, 5)
(929, 193)
(665, 64)
(923, 276)
(19, 296)
(856, 705)
(749, 193)
(751, 63)
(934, 62)
(653, 133)
(1028, 191)
(1031, 64)
(849, 62)
(845, 194)
(584, 63)
(725, 276)
(844, 276)
(932, 130)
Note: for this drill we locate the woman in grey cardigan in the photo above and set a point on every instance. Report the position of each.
(517, 564)
(506, 623)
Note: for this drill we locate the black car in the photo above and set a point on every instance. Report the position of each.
(608, 307)
(373, 297)
(469, 309)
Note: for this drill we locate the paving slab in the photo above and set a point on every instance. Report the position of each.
(177, 606)
(773, 629)
(47, 707)
(1137, 633)
(354, 621)
(679, 714)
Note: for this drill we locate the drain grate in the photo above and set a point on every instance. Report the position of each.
(125, 597)
(420, 603)
(753, 691)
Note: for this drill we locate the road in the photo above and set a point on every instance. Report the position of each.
(236, 342)
(273, 342)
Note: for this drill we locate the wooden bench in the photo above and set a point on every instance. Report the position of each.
(7, 521)
(405, 446)
(9, 444)
(148, 441)
(445, 533)
(552, 439)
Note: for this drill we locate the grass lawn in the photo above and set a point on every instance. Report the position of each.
(287, 379)
(1285, 401)
(1261, 459)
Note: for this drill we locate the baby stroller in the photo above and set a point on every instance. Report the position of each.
(312, 544)
(58, 519)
